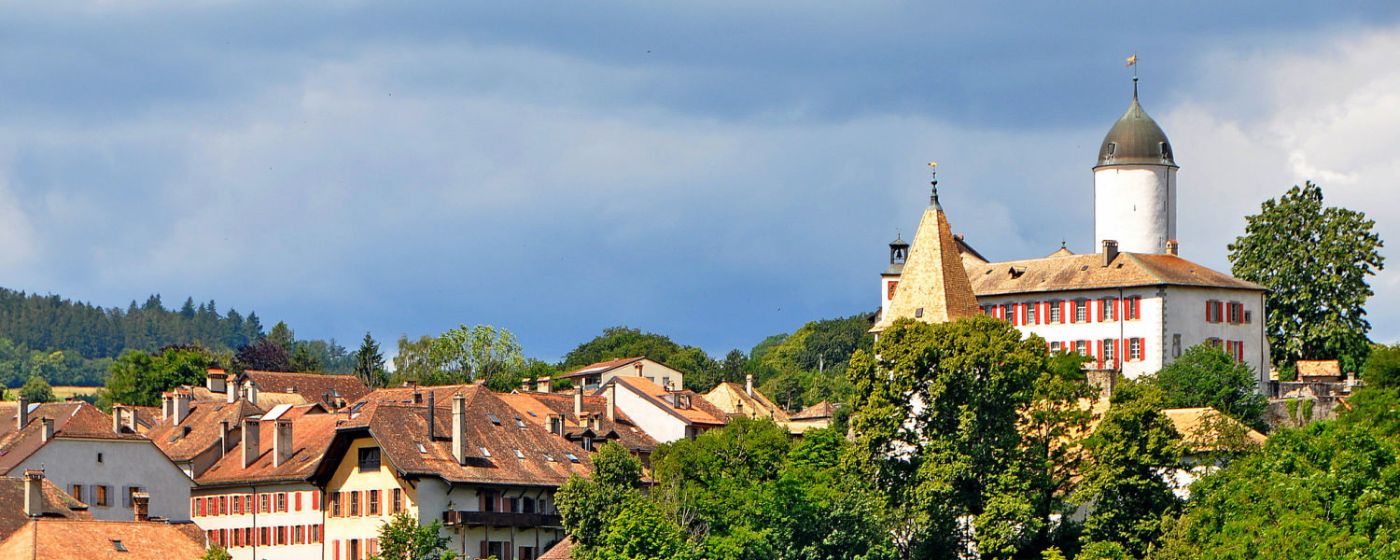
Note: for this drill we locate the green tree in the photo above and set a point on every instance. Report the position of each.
(1205, 375)
(936, 431)
(1123, 482)
(588, 507)
(216, 552)
(282, 335)
(369, 363)
(1054, 428)
(1296, 245)
(402, 538)
(414, 362)
(479, 353)
(305, 358)
(139, 378)
(1382, 368)
(36, 390)
(621, 342)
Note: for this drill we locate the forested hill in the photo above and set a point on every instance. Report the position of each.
(55, 323)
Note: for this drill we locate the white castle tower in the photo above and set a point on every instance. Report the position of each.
(1135, 185)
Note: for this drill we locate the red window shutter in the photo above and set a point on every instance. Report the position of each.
(1118, 350)
(1098, 353)
(297, 495)
(315, 500)
(1118, 305)
(1073, 311)
(335, 549)
(1208, 313)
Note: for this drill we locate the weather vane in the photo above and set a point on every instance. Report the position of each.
(1132, 63)
(933, 182)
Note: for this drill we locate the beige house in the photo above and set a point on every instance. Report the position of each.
(737, 399)
(593, 376)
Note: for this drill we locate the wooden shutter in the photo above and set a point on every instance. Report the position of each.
(1098, 353)
(1118, 351)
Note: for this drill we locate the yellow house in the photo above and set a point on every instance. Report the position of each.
(459, 454)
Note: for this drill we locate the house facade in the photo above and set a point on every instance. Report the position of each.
(593, 376)
(665, 415)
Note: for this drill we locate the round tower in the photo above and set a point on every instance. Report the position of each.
(1135, 185)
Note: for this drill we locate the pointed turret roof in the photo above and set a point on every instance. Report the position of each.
(1135, 139)
(933, 287)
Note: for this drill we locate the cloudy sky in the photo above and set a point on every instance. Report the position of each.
(715, 171)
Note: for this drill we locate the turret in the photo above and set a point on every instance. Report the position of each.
(1135, 184)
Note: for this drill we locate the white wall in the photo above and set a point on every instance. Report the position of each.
(655, 372)
(125, 463)
(1148, 328)
(309, 515)
(1185, 311)
(661, 425)
(1135, 205)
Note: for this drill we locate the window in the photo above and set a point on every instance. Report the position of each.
(118, 546)
(1176, 346)
(238, 505)
(1135, 349)
(99, 457)
(1055, 346)
(77, 492)
(1008, 312)
(1108, 351)
(513, 505)
(281, 501)
(1032, 314)
(587, 443)
(335, 504)
(99, 495)
(264, 503)
(369, 458)
(527, 505)
(397, 504)
(526, 553)
(299, 535)
(1237, 313)
(1131, 308)
(1055, 312)
(373, 504)
(354, 504)
(488, 501)
(1213, 311)
(1082, 347)
(1108, 309)
(354, 549)
(281, 535)
(1081, 311)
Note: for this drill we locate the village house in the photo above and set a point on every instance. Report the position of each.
(98, 459)
(744, 400)
(587, 421)
(459, 454)
(593, 376)
(665, 415)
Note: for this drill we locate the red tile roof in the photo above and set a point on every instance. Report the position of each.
(700, 410)
(312, 431)
(1087, 272)
(313, 386)
(71, 420)
(538, 407)
(66, 539)
(817, 411)
(57, 503)
(518, 455)
(200, 430)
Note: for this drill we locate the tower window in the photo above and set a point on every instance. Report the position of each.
(1112, 147)
(1166, 150)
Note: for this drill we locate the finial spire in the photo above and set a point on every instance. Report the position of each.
(1132, 63)
(933, 182)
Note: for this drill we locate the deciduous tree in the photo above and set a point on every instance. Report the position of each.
(1314, 259)
(403, 538)
(1205, 375)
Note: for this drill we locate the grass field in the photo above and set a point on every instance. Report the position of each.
(60, 392)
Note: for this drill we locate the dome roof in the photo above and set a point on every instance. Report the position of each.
(1135, 139)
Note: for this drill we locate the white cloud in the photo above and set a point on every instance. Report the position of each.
(16, 233)
(1261, 121)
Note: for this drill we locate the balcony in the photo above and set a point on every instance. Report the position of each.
(500, 519)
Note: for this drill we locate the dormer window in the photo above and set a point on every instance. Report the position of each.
(1112, 147)
(1166, 150)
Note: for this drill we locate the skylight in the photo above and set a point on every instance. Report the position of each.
(422, 449)
(494, 419)
(485, 452)
(519, 455)
(519, 422)
(572, 458)
(116, 544)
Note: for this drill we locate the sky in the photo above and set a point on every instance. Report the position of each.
(714, 171)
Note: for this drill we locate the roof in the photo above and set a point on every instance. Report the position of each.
(700, 410)
(312, 431)
(75, 419)
(538, 407)
(733, 398)
(1190, 423)
(57, 503)
(200, 430)
(563, 550)
(400, 426)
(1087, 272)
(1135, 140)
(933, 286)
(310, 385)
(76, 538)
(603, 366)
(819, 411)
(1319, 368)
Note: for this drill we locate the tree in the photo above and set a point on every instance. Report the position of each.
(263, 354)
(402, 538)
(216, 552)
(304, 358)
(1205, 375)
(1314, 260)
(139, 378)
(36, 390)
(624, 342)
(1382, 368)
(282, 335)
(1123, 484)
(936, 424)
(1054, 429)
(479, 353)
(369, 363)
(588, 507)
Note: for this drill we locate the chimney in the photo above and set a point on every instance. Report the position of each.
(223, 438)
(748, 384)
(612, 402)
(525, 385)
(638, 367)
(214, 380)
(1173, 247)
(544, 384)
(117, 411)
(250, 392)
(131, 419)
(282, 442)
(21, 413)
(167, 406)
(432, 407)
(231, 387)
(141, 506)
(459, 428)
(1110, 251)
(578, 400)
(48, 428)
(33, 492)
(251, 449)
(417, 397)
(182, 405)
